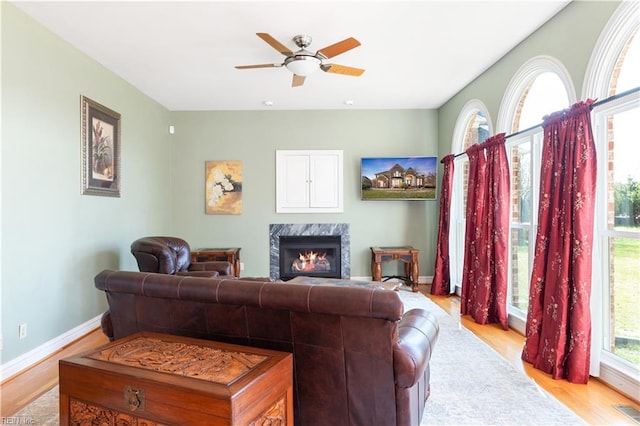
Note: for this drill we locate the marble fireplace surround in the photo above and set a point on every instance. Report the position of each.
(301, 229)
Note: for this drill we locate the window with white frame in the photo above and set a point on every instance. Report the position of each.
(614, 75)
(473, 126)
(524, 152)
(618, 228)
(541, 86)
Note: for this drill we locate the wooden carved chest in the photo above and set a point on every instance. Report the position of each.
(157, 379)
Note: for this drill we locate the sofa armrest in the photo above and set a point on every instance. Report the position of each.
(221, 266)
(417, 334)
(105, 324)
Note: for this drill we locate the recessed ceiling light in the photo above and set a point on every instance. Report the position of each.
(267, 103)
(348, 102)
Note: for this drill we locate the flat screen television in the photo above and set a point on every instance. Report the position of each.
(398, 178)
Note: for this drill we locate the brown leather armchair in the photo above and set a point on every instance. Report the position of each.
(172, 255)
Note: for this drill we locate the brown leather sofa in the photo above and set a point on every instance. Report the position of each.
(172, 255)
(358, 359)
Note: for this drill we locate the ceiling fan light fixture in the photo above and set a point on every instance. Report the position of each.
(303, 62)
(302, 65)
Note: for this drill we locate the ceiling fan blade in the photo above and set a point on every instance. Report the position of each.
(298, 80)
(246, 67)
(342, 69)
(339, 47)
(275, 44)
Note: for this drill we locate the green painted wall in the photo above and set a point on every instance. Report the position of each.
(254, 137)
(55, 240)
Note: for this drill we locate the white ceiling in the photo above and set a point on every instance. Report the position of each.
(417, 54)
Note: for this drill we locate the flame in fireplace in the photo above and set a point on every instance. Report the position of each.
(311, 261)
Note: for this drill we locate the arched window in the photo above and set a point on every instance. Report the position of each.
(541, 86)
(615, 59)
(546, 93)
(472, 126)
(613, 74)
(627, 71)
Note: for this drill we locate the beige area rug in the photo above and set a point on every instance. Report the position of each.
(471, 384)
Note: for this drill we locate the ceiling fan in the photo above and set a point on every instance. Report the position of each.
(303, 62)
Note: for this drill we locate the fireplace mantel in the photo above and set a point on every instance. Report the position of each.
(302, 229)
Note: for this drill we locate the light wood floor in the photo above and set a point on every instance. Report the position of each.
(593, 402)
(21, 389)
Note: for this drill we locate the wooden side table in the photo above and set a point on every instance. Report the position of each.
(406, 254)
(230, 254)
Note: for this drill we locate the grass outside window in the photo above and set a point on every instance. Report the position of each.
(625, 315)
(626, 297)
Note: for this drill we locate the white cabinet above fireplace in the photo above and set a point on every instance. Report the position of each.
(309, 181)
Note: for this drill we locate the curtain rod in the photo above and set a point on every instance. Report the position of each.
(593, 105)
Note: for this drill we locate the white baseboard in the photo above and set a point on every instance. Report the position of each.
(623, 383)
(45, 350)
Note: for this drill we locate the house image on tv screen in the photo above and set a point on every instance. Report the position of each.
(399, 178)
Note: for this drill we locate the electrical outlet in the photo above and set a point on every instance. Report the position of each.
(22, 331)
(242, 266)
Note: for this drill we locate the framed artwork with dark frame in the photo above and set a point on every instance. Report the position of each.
(398, 178)
(100, 149)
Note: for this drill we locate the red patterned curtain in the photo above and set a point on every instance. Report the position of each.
(484, 281)
(558, 320)
(441, 278)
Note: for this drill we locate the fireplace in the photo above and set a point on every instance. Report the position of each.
(331, 244)
(313, 256)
